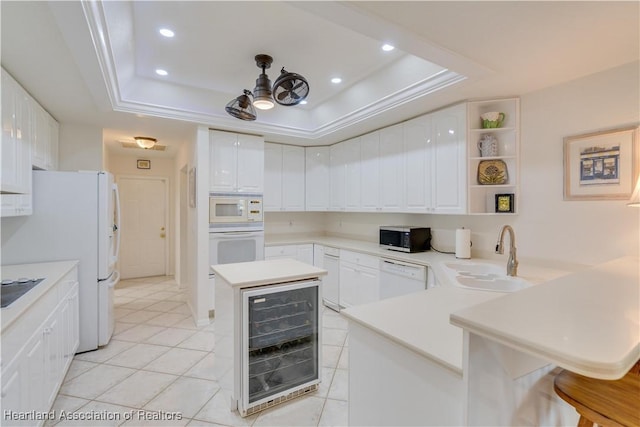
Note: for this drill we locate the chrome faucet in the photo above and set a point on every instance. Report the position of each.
(512, 262)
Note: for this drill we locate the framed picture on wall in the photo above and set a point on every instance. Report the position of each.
(192, 187)
(144, 164)
(601, 165)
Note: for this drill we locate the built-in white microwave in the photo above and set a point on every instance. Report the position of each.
(234, 208)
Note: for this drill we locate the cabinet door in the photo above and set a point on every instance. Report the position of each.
(352, 174)
(317, 178)
(305, 254)
(16, 142)
(41, 136)
(368, 285)
(13, 392)
(250, 166)
(54, 135)
(53, 335)
(392, 187)
(272, 177)
(370, 171)
(337, 177)
(35, 373)
(348, 284)
(449, 160)
(292, 178)
(418, 168)
(222, 161)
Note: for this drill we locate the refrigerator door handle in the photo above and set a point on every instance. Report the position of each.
(116, 225)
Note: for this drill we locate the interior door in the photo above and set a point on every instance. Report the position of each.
(143, 230)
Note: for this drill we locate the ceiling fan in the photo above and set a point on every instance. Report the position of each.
(289, 89)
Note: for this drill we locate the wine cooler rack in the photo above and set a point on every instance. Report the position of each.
(283, 350)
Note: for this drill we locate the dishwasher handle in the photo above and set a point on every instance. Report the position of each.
(414, 271)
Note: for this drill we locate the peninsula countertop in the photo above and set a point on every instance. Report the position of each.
(587, 322)
(258, 273)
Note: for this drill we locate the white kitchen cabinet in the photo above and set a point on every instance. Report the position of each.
(44, 132)
(302, 253)
(449, 160)
(359, 278)
(337, 177)
(236, 162)
(418, 164)
(284, 178)
(38, 347)
(392, 173)
(353, 185)
(16, 138)
(317, 178)
(481, 198)
(370, 172)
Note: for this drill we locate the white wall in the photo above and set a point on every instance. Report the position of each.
(294, 222)
(547, 227)
(80, 148)
(120, 165)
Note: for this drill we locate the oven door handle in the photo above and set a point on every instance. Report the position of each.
(232, 234)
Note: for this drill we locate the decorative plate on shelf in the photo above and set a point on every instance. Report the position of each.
(492, 172)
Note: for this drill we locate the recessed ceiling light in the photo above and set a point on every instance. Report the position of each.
(167, 32)
(336, 80)
(387, 47)
(161, 72)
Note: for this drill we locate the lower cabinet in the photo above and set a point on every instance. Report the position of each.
(33, 375)
(359, 279)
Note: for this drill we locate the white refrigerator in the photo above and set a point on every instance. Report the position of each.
(75, 216)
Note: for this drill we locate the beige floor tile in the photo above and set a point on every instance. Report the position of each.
(139, 304)
(66, 404)
(325, 383)
(182, 308)
(176, 361)
(95, 381)
(333, 336)
(139, 333)
(201, 340)
(161, 295)
(138, 356)
(204, 369)
(164, 306)
(119, 312)
(119, 300)
(138, 389)
(140, 316)
(185, 395)
(97, 414)
(217, 411)
(330, 355)
(78, 367)
(114, 347)
(344, 359)
(156, 418)
(334, 321)
(121, 327)
(303, 411)
(340, 385)
(187, 323)
(335, 413)
(167, 319)
(200, 423)
(171, 336)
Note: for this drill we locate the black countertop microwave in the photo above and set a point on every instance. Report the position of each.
(405, 239)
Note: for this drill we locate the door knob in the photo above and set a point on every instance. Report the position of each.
(161, 228)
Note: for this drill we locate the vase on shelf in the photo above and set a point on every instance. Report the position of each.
(488, 145)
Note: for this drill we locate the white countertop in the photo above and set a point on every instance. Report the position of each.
(258, 273)
(52, 272)
(420, 321)
(587, 322)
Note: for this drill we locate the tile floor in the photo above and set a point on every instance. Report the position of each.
(158, 362)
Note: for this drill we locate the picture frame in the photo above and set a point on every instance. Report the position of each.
(505, 203)
(192, 188)
(601, 165)
(143, 164)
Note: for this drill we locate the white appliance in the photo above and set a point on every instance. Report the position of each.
(75, 216)
(280, 348)
(331, 282)
(401, 278)
(235, 211)
(226, 247)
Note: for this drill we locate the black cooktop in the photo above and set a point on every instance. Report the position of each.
(11, 290)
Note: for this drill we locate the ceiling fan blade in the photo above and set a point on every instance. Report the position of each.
(294, 95)
(300, 83)
(287, 84)
(282, 95)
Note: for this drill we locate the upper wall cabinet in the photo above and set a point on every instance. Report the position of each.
(493, 164)
(284, 172)
(316, 178)
(44, 131)
(236, 162)
(337, 177)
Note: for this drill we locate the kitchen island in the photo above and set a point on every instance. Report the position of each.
(410, 366)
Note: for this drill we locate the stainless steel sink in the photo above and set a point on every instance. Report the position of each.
(484, 277)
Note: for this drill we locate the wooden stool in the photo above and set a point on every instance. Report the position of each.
(605, 402)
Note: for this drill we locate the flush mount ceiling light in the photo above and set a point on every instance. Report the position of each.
(145, 141)
(289, 89)
(241, 107)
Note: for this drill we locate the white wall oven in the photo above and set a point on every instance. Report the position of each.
(235, 212)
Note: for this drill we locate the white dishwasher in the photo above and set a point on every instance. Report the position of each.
(401, 278)
(331, 282)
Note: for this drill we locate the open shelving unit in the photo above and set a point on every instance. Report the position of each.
(481, 197)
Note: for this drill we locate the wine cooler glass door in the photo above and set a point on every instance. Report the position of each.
(280, 341)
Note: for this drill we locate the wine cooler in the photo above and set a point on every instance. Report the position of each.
(280, 344)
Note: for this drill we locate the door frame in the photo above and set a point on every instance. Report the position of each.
(168, 229)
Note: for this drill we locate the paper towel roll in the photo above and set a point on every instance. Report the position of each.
(463, 243)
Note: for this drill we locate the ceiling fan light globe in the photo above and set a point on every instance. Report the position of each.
(145, 142)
